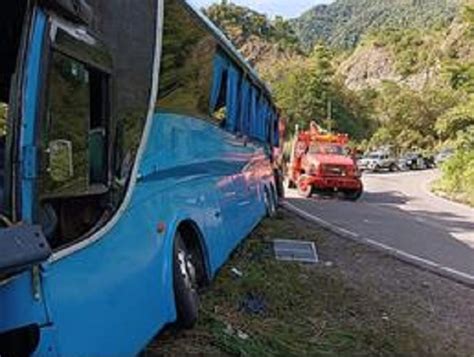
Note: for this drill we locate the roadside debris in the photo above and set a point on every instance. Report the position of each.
(328, 264)
(242, 335)
(295, 251)
(253, 304)
(236, 273)
(229, 330)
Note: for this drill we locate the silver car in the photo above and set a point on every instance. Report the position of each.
(378, 161)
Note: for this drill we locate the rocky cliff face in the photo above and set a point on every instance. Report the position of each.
(371, 63)
(370, 66)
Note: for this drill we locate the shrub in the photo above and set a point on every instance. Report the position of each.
(458, 176)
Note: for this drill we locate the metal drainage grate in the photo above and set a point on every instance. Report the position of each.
(295, 251)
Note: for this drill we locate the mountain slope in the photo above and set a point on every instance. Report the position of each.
(343, 23)
(415, 58)
(259, 39)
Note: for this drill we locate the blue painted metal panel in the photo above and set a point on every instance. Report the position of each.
(244, 123)
(48, 343)
(29, 110)
(233, 98)
(220, 66)
(253, 113)
(18, 306)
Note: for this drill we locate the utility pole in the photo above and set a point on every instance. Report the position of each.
(329, 114)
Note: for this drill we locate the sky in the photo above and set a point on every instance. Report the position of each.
(285, 8)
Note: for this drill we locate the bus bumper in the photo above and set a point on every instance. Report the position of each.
(335, 183)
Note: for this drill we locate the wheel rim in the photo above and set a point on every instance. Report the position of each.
(187, 269)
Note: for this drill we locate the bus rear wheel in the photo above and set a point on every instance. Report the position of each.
(305, 189)
(270, 204)
(185, 283)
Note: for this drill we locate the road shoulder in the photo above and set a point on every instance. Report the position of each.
(356, 301)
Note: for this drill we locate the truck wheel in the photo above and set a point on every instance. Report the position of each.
(393, 168)
(185, 285)
(353, 195)
(305, 189)
(290, 183)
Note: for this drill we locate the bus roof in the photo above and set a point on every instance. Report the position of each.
(230, 49)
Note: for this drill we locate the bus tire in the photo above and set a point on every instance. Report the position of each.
(185, 285)
(275, 196)
(270, 204)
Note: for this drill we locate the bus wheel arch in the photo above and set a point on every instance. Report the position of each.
(194, 240)
(189, 272)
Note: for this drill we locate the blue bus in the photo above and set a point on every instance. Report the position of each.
(136, 152)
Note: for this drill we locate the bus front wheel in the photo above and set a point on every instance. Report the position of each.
(185, 284)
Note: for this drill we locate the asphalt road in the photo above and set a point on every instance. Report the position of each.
(397, 210)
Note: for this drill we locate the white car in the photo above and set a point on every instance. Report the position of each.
(378, 161)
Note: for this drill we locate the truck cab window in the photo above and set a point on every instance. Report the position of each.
(74, 157)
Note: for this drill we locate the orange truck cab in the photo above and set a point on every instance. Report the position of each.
(322, 163)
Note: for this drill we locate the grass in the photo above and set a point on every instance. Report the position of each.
(303, 309)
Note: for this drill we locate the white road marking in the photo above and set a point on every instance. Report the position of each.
(320, 221)
(425, 263)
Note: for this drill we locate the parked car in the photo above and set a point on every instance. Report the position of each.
(378, 161)
(411, 161)
(442, 156)
(416, 161)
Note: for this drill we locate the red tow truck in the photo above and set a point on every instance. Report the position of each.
(321, 163)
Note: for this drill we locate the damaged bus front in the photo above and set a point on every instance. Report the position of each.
(23, 246)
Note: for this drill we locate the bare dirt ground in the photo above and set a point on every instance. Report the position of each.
(355, 302)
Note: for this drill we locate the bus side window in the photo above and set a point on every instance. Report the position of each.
(219, 113)
(74, 157)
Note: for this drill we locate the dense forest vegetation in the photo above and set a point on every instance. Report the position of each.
(345, 22)
(396, 73)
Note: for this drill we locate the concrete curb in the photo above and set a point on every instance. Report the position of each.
(421, 263)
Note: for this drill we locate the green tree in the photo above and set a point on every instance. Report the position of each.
(456, 120)
(3, 118)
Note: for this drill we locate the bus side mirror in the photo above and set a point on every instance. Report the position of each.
(60, 160)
